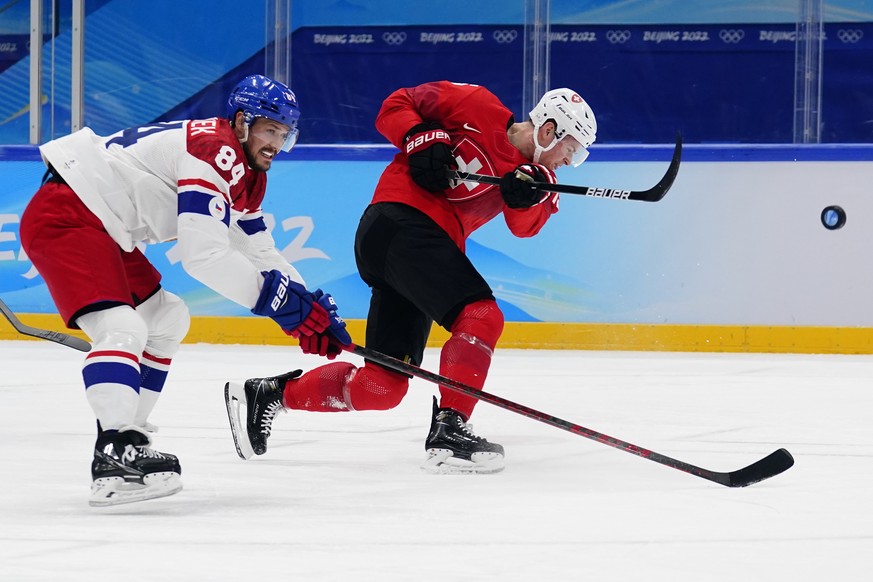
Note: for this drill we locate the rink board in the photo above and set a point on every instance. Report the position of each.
(552, 336)
(734, 258)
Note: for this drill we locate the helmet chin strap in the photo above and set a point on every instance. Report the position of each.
(245, 136)
(540, 150)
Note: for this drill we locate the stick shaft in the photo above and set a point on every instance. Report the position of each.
(774, 464)
(653, 194)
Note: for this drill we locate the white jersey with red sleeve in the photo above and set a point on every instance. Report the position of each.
(477, 124)
(187, 180)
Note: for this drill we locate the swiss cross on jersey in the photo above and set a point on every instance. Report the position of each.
(472, 159)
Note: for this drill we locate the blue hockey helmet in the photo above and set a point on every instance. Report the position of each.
(260, 96)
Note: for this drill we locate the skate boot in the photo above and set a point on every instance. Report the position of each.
(260, 400)
(452, 447)
(126, 469)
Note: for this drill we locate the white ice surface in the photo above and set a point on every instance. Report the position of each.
(341, 497)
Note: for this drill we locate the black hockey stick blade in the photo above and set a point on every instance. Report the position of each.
(52, 336)
(765, 468)
(653, 194)
(773, 464)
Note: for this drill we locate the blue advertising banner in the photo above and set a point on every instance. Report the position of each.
(342, 75)
(715, 83)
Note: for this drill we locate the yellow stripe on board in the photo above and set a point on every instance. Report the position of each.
(553, 336)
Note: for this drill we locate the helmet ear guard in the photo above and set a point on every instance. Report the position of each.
(259, 96)
(571, 115)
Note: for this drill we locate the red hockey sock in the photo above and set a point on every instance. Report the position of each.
(377, 388)
(320, 389)
(340, 386)
(466, 356)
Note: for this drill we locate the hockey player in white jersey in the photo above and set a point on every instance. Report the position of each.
(201, 183)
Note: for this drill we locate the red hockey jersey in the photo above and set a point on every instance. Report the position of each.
(476, 122)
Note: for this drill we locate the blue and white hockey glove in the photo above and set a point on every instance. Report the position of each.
(289, 304)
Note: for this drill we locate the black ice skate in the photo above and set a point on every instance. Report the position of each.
(261, 401)
(126, 469)
(453, 448)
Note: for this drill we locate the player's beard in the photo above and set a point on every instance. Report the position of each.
(256, 162)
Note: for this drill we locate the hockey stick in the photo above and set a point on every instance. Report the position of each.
(52, 336)
(653, 194)
(769, 466)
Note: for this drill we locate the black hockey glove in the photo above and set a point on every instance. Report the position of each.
(517, 188)
(429, 152)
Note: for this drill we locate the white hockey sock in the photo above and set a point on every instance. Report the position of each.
(152, 378)
(111, 386)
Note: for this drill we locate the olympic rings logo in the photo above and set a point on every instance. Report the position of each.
(505, 36)
(394, 38)
(850, 35)
(731, 35)
(618, 36)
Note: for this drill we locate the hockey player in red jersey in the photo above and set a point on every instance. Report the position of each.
(409, 249)
(201, 183)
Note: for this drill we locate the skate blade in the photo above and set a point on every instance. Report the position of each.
(234, 394)
(116, 491)
(443, 462)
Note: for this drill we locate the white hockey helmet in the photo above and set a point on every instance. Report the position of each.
(571, 116)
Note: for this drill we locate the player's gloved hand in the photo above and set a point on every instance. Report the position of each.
(517, 189)
(429, 153)
(329, 342)
(289, 304)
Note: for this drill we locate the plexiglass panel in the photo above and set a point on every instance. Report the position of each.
(718, 71)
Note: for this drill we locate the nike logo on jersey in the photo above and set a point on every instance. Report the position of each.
(468, 127)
